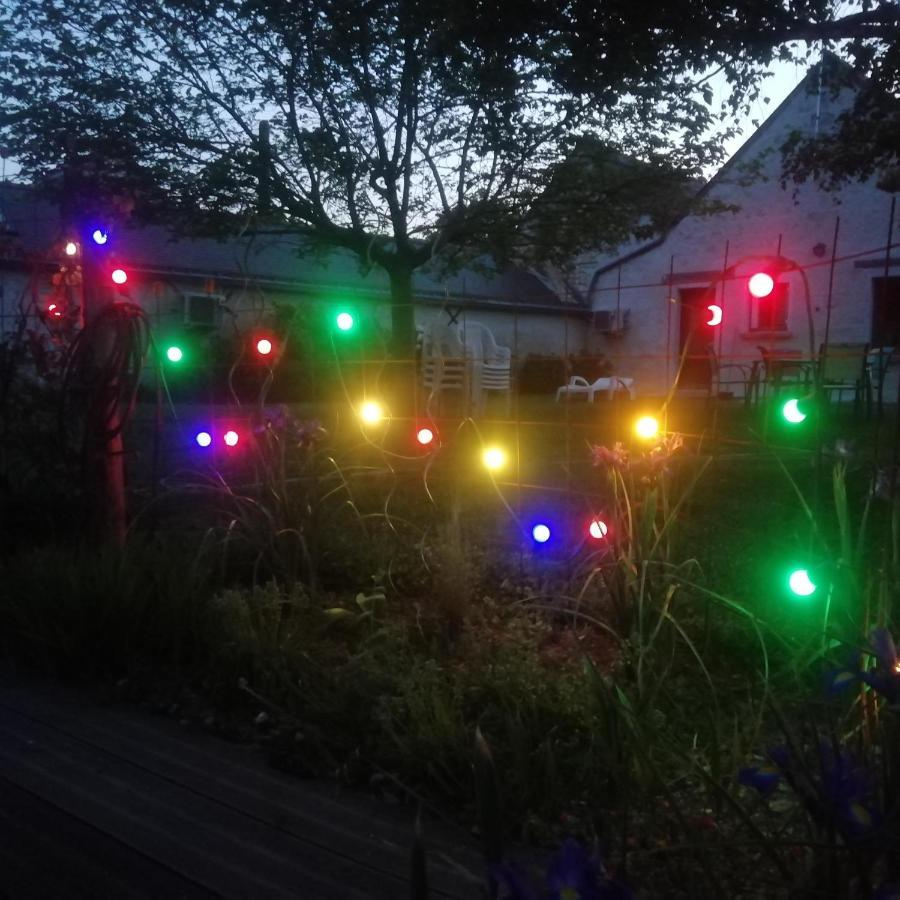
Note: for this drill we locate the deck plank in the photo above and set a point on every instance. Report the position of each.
(47, 853)
(209, 811)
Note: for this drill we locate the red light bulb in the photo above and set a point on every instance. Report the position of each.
(761, 284)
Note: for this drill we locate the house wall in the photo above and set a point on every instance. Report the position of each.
(794, 218)
(13, 292)
(244, 308)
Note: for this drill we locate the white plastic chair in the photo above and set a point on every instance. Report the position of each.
(578, 386)
(445, 364)
(491, 365)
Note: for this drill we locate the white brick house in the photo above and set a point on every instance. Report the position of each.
(665, 285)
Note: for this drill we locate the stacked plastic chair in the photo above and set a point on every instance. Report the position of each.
(445, 366)
(491, 365)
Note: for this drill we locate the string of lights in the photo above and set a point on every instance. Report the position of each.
(104, 369)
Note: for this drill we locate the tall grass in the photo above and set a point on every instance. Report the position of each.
(95, 612)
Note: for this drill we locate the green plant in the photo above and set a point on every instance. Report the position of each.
(99, 612)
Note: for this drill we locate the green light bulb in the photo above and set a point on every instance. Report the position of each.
(174, 354)
(344, 321)
(792, 412)
(801, 584)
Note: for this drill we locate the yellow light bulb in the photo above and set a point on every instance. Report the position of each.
(371, 412)
(646, 427)
(494, 458)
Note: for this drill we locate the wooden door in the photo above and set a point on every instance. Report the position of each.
(696, 338)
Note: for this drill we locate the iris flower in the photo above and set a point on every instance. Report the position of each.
(572, 874)
(839, 796)
(764, 778)
(845, 790)
(885, 677)
(844, 675)
(575, 875)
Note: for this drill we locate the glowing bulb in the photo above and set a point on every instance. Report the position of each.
(715, 314)
(71, 248)
(371, 412)
(100, 236)
(897, 667)
(54, 311)
(761, 284)
(494, 458)
(792, 412)
(264, 347)
(598, 529)
(541, 533)
(424, 436)
(344, 321)
(174, 354)
(119, 276)
(646, 427)
(801, 584)
(231, 438)
(203, 438)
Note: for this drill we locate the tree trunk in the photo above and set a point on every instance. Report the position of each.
(403, 327)
(403, 343)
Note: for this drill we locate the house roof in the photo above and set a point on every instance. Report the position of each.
(30, 227)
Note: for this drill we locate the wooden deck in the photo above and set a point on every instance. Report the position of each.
(108, 801)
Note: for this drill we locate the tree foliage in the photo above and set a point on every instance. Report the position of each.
(740, 39)
(403, 131)
(399, 130)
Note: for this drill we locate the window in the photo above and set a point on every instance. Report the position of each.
(770, 313)
(885, 312)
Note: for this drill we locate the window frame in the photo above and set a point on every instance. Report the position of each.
(773, 323)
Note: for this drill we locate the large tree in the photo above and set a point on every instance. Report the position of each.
(399, 130)
(740, 40)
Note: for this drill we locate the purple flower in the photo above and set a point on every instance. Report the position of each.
(573, 874)
(845, 674)
(845, 790)
(885, 677)
(838, 793)
(763, 778)
(766, 777)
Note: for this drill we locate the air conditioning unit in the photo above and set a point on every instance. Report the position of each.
(202, 310)
(611, 321)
